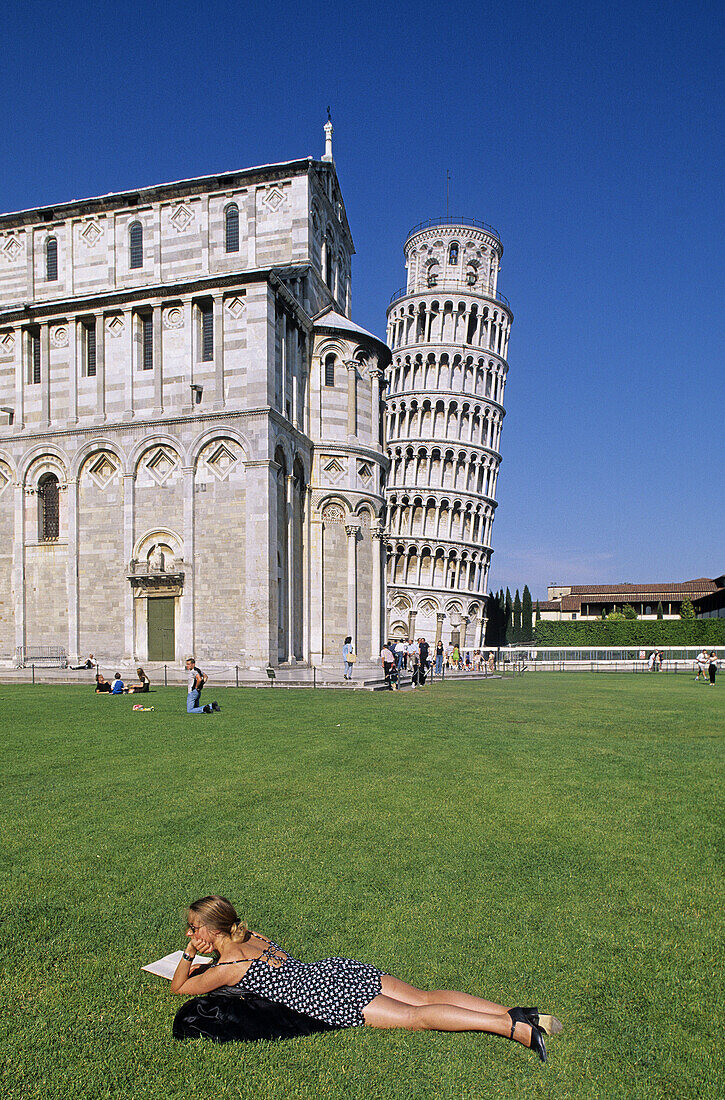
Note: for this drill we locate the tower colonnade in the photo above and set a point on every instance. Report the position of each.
(449, 332)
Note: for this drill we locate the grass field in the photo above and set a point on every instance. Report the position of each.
(551, 840)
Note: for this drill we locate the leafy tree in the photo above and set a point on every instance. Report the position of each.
(660, 610)
(527, 626)
(629, 612)
(615, 617)
(687, 611)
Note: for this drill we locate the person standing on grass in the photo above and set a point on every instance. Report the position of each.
(195, 682)
(712, 668)
(340, 992)
(439, 658)
(703, 661)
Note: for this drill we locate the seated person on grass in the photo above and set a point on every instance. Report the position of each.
(117, 688)
(102, 686)
(339, 993)
(144, 683)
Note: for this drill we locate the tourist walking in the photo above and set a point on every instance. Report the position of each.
(195, 682)
(388, 660)
(340, 992)
(348, 657)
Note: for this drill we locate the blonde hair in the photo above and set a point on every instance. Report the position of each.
(218, 914)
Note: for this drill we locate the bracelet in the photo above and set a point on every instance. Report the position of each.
(189, 958)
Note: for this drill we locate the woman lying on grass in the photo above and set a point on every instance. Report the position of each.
(340, 992)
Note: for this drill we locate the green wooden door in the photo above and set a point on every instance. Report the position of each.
(162, 643)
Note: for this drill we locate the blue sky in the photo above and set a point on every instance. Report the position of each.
(589, 135)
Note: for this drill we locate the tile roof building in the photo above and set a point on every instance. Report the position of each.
(582, 601)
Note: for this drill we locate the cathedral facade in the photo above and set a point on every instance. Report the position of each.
(191, 452)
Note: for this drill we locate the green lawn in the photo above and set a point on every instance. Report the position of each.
(552, 839)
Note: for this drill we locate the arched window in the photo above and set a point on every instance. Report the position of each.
(329, 267)
(135, 241)
(231, 237)
(48, 508)
(330, 369)
(51, 259)
(453, 254)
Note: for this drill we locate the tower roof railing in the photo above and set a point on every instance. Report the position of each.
(445, 287)
(453, 222)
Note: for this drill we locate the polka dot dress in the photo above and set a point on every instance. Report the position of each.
(333, 990)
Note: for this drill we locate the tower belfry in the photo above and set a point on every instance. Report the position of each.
(448, 330)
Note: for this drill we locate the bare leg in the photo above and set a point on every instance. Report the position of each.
(385, 1012)
(408, 994)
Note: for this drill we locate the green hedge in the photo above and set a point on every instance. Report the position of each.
(645, 632)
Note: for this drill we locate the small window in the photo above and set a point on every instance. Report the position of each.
(135, 240)
(453, 254)
(330, 370)
(48, 508)
(34, 357)
(51, 259)
(231, 229)
(206, 312)
(89, 348)
(147, 341)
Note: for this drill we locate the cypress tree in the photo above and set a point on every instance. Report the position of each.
(501, 622)
(527, 626)
(516, 632)
(538, 612)
(687, 611)
(508, 616)
(660, 610)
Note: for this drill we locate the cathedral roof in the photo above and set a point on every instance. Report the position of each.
(330, 319)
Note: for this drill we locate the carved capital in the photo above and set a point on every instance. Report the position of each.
(352, 528)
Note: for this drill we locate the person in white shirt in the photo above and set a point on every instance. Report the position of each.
(702, 664)
(400, 650)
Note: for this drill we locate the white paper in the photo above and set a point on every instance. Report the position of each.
(166, 967)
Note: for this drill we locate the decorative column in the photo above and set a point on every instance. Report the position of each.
(376, 377)
(130, 339)
(317, 581)
(129, 493)
(292, 566)
(378, 594)
(20, 361)
(100, 368)
(440, 616)
(19, 563)
(74, 335)
(352, 530)
(45, 373)
(351, 397)
(158, 359)
(411, 623)
(185, 641)
(219, 350)
(72, 568)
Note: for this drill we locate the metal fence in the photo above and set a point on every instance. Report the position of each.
(44, 656)
(605, 658)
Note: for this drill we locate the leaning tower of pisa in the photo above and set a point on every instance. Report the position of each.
(448, 330)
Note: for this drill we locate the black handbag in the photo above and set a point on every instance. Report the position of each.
(242, 1018)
